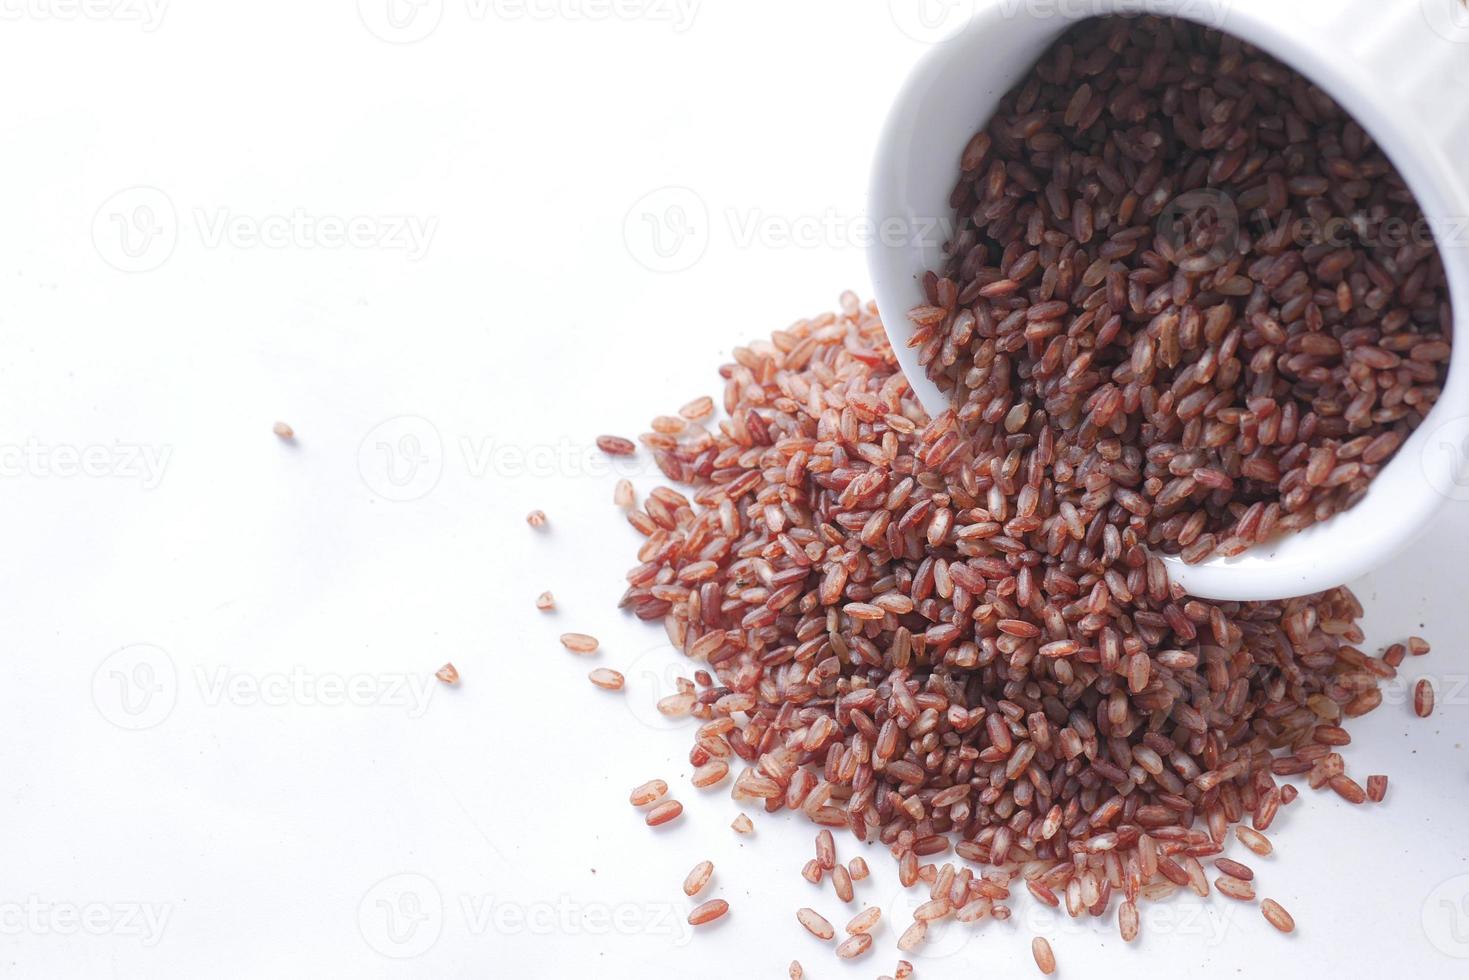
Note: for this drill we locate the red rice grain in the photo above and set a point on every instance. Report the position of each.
(854, 946)
(1253, 839)
(866, 920)
(664, 812)
(1232, 887)
(913, 936)
(616, 445)
(1277, 916)
(1045, 960)
(1423, 698)
(624, 496)
(713, 909)
(648, 792)
(1127, 921)
(826, 851)
(545, 602)
(841, 883)
(698, 878)
(742, 825)
(606, 679)
(448, 673)
(1376, 788)
(536, 518)
(579, 642)
(711, 773)
(815, 923)
(1234, 869)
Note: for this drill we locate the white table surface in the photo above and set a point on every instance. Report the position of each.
(224, 754)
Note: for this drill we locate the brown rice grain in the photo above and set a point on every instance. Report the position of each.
(1253, 839)
(623, 495)
(648, 792)
(1423, 698)
(1045, 960)
(1232, 887)
(606, 679)
(713, 909)
(698, 878)
(815, 923)
(1277, 916)
(448, 673)
(664, 812)
(865, 921)
(616, 445)
(579, 642)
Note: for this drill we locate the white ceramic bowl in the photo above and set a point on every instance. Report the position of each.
(1399, 66)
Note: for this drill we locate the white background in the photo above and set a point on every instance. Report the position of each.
(216, 646)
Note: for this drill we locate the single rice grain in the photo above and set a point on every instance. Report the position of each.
(1277, 916)
(1045, 960)
(698, 878)
(815, 923)
(713, 909)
